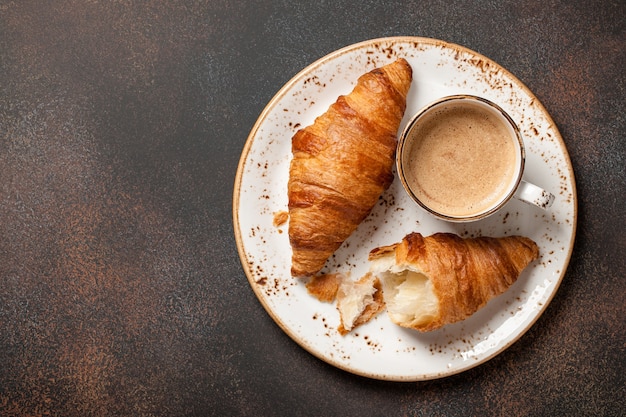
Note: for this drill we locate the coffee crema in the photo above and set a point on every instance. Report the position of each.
(462, 160)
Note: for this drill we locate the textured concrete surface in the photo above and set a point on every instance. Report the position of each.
(121, 126)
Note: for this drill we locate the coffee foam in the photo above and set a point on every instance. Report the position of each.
(462, 159)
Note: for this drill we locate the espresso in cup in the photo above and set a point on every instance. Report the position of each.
(461, 158)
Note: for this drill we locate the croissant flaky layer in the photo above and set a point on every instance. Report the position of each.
(342, 163)
(432, 281)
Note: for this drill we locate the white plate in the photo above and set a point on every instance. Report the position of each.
(381, 349)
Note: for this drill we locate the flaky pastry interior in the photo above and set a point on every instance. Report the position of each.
(408, 292)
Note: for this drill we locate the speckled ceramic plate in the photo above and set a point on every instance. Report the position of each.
(381, 349)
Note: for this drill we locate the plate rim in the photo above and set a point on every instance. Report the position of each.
(287, 87)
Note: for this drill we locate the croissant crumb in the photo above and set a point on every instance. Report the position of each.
(324, 287)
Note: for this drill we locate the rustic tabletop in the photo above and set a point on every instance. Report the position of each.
(121, 129)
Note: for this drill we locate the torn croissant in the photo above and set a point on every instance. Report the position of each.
(432, 281)
(358, 302)
(342, 163)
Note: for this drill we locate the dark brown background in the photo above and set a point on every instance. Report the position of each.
(121, 127)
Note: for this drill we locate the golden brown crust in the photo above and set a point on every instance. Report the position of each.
(465, 273)
(342, 163)
(324, 287)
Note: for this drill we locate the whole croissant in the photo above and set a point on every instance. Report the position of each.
(342, 163)
(432, 281)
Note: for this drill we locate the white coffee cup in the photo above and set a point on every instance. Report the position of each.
(462, 158)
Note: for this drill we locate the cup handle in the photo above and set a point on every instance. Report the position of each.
(534, 195)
